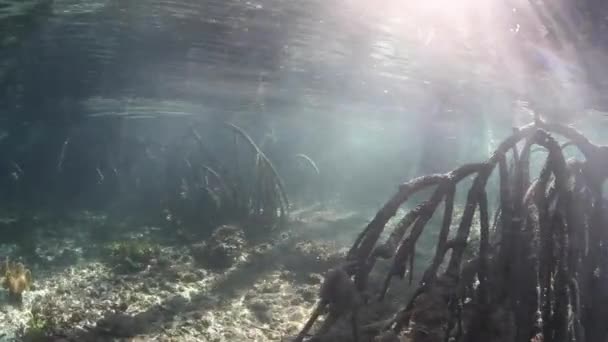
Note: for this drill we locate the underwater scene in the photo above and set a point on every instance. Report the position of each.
(304, 170)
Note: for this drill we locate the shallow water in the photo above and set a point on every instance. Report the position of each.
(119, 163)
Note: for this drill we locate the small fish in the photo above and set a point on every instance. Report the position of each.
(17, 171)
(100, 176)
(61, 157)
(149, 154)
(187, 162)
(184, 189)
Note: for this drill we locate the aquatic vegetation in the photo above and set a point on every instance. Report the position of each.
(131, 255)
(538, 272)
(38, 327)
(17, 279)
(46, 321)
(222, 249)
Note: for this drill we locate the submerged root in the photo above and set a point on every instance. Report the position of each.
(267, 197)
(250, 189)
(308, 161)
(547, 236)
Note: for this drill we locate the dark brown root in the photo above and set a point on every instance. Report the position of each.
(548, 236)
(268, 196)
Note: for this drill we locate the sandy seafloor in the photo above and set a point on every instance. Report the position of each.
(266, 296)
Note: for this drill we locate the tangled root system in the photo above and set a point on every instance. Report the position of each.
(538, 272)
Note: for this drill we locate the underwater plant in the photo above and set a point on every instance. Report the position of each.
(131, 255)
(539, 273)
(222, 249)
(45, 322)
(17, 279)
(37, 327)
